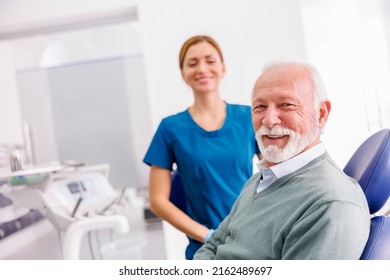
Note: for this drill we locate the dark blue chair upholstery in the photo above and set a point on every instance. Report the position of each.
(177, 195)
(370, 166)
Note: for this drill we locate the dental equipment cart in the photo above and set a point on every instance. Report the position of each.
(75, 199)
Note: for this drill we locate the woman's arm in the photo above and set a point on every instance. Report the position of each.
(159, 191)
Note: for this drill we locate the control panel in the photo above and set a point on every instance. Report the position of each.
(83, 194)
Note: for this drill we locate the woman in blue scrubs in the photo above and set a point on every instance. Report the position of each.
(212, 144)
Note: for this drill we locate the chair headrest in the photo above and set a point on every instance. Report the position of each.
(370, 166)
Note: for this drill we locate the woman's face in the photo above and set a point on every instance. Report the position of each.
(202, 68)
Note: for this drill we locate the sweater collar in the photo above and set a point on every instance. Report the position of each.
(284, 168)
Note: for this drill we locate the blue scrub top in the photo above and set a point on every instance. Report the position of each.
(214, 165)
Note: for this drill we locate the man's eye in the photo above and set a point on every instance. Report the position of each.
(287, 105)
(259, 108)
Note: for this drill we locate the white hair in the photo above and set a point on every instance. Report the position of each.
(320, 93)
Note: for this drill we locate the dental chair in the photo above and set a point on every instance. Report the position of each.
(370, 166)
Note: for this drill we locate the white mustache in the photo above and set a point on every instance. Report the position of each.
(274, 131)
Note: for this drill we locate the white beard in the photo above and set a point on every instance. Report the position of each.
(296, 143)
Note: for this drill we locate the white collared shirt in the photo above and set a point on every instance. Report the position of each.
(271, 174)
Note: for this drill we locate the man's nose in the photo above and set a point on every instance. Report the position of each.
(271, 117)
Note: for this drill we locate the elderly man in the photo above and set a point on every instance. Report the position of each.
(300, 205)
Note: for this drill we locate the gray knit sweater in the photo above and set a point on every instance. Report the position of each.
(316, 212)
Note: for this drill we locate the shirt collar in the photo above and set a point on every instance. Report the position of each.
(293, 164)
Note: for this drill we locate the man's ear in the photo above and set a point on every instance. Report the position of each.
(324, 111)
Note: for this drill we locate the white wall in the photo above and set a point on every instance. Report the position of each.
(352, 52)
(10, 121)
(250, 32)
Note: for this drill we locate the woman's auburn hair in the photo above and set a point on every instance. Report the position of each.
(195, 40)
